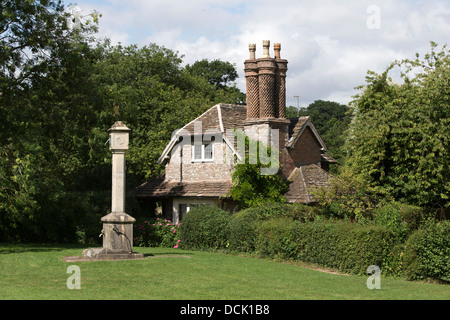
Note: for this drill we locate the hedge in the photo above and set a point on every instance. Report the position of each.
(427, 252)
(345, 246)
(349, 247)
(205, 227)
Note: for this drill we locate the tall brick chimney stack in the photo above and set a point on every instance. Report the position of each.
(266, 83)
(280, 86)
(251, 75)
(266, 99)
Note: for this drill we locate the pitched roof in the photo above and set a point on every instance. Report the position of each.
(303, 180)
(217, 119)
(160, 188)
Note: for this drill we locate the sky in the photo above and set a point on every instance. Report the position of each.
(329, 45)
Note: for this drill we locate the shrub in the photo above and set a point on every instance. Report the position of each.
(273, 239)
(390, 217)
(427, 252)
(205, 227)
(243, 226)
(269, 210)
(157, 232)
(348, 247)
(243, 231)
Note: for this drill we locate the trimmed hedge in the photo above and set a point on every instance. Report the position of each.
(346, 246)
(427, 252)
(205, 227)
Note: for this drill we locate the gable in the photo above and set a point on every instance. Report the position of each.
(217, 119)
(298, 126)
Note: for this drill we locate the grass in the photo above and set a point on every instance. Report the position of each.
(37, 272)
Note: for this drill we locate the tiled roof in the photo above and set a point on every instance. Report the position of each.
(327, 158)
(219, 118)
(160, 188)
(303, 180)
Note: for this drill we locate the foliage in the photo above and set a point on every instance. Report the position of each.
(58, 90)
(49, 150)
(427, 252)
(217, 72)
(347, 247)
(281, 232)
(273, 241)
(399, 139)
(347, 196)
(250, 186)
(390, 216)
(243, 231)
(205, 227)
(156, 233)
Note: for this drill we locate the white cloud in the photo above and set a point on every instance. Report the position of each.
(327, 43)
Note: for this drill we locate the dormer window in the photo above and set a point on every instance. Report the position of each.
(202, 152)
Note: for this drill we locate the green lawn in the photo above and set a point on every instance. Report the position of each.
(39, 272)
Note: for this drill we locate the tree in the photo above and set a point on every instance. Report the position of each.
(399, 140)
(221, 75)
(291, 112)
(217, 72)
(45, 106)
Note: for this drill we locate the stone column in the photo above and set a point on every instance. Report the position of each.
(118, 226)
(117, 229)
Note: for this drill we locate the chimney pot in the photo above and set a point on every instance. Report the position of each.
(252, 49)
(266, 46)
(277, 49)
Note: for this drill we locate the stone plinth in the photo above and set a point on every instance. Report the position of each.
(118, 233)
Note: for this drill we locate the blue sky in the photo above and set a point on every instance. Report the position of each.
(330, 45)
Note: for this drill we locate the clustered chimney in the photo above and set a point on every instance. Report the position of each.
(266, 83)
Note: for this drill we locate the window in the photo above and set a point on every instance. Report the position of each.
(185, 208)
(202, 152)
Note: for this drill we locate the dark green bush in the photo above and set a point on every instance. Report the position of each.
(283, 231)
(348, 247)
(243, 231)
(205, 227)
(273, 239)
(269, 210)
(427, 252)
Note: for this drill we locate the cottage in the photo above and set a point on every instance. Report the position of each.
(200, 157)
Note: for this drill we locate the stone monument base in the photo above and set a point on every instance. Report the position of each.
(96, 254)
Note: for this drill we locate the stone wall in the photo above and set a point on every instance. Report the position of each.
(182, 168)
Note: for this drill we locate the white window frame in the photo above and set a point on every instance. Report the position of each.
(203, 158)
(190, 203)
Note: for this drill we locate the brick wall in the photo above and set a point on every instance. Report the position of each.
(306, 150)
